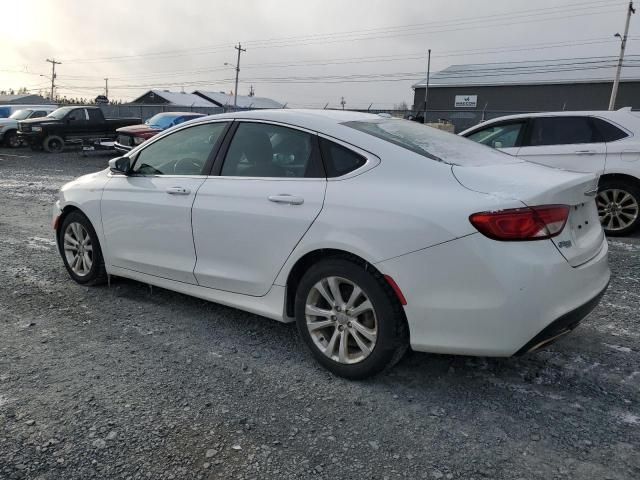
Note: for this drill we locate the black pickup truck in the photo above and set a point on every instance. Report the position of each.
(67, 125)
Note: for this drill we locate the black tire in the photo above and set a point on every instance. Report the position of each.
(392, 334)
(613, 227)
(97, 274)
(11, 139)
(53, 144)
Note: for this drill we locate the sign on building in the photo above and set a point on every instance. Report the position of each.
(466, 101)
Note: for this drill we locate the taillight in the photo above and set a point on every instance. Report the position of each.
(515, 224)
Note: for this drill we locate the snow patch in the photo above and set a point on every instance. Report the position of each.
(629, 418)
(619, 348)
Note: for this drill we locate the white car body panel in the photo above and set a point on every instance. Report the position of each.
(403, 213)
(242, 237)
(148, 230)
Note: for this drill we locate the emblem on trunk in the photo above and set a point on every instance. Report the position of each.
(565, 244)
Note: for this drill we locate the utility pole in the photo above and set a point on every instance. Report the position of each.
(53, 74)
(235, 92)
(623, 44)
(106, 87)
(426, 90)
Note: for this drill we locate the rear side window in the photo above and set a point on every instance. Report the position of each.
(38, 114)
(94, 115)
(607, 131)
(561, 131)
(338, 160)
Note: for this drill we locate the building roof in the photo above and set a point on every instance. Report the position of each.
(179, 99)
(27, 98)
(224, 99)
(539, 72)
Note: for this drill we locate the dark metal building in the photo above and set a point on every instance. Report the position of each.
(468, 94)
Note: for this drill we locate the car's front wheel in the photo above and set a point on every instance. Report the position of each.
(618, 204)
(350, 318)
(11, 139)
(80, 250)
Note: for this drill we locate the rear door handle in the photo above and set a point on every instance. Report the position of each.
(586, 152)
(178, 191)
(286, 198)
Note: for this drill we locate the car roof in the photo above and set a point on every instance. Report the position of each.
(318, 120)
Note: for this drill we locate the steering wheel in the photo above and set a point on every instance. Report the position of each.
(187, 163)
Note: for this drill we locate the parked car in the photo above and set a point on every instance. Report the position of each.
(371, 233)
(7, 110)
(601, 142)
(129, 137)
(70, 125)
(9, 126)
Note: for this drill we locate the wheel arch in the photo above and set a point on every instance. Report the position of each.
(311, 258)
(620, 177)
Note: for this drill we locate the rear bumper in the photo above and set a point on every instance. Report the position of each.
(476, 296)
(563, 325)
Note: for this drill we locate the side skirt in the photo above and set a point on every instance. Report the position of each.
(270, 305)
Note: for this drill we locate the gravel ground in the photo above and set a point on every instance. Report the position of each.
(127, 382)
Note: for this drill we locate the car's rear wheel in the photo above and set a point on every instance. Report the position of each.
(618, 204)
(53, 144)
(81, 251)
(11, 139)
(350, 318)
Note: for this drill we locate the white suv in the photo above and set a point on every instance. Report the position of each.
(602, 142)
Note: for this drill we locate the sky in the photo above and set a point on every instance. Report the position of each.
(305, 53)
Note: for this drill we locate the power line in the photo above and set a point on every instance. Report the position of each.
(602, 7)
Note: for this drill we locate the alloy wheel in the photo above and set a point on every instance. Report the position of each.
(617, 208)
(341, 320)
(78, 249)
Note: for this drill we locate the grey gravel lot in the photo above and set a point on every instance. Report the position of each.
(129, 383)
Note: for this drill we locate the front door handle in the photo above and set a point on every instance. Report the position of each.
(178, 191)
(585, 152)
(286, 198)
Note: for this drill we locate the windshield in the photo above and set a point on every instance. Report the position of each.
(161, 121)
(20, 114)
(60, 113)
(432, 143)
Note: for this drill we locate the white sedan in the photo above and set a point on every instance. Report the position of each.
(606, 143)
(373, 234)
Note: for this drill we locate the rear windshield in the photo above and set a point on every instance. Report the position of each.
(432, 143)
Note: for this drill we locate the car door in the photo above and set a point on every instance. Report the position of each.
(505, 136)
(146, 215)
(77, 120)
(263, 196)
(565, 142)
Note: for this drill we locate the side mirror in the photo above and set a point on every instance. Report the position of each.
(120, 165)
(497, 144)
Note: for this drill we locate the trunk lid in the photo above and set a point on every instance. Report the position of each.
(533, 185)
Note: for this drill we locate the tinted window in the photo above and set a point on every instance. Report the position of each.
(38, 114)
(561, 131)
(264, 150)
(184, 152)
(94, 115)
(339, 160)
(431, 142)
(77, 115)
(505, 135)
(607, 131)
